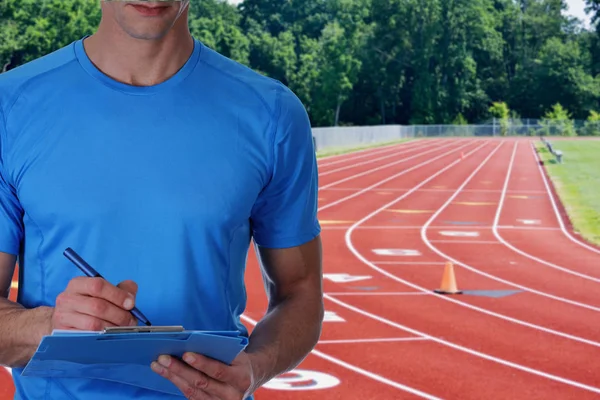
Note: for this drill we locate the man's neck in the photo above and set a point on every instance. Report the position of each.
(139, 62)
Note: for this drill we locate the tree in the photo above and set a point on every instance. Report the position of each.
(338, 69)
(558, 120)
(501, 111)
(593, 8)
(216, 24)
(560, 76)
(364, 62)
(34, 28)
(592, 125)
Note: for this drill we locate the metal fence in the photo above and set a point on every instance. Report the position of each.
(527, 127)
(346, 137)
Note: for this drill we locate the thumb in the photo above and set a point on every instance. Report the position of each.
(129, 286)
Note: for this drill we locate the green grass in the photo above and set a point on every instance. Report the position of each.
(577, 182)
(335, 151)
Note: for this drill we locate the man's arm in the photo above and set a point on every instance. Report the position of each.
(279, 342)
(292, 325)
(86, 304)
(20, 330)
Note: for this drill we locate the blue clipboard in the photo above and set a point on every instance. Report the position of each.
(124, 355)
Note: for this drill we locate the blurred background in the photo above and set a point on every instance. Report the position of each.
(375, 62)
(381, 70)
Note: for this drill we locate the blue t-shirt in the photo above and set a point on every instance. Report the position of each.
(165, 185)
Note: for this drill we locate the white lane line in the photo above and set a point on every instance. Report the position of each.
(465, 242)
(370, 264)
(556, 212)
(370, 171)
(394, 227)
(409, 263)
(477, 271)
(362, 371)
(355, 155)
(381, 340)
(393, 176)
(377, 294)
(470, 227)
(514, 248)
(528, 228)
(465, 349)
(408, 227)
(512, 192)
(394, 154)
(383, 272)
(353, 195)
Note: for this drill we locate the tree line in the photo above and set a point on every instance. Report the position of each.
(370, 62)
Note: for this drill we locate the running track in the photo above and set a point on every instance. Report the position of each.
(526, 326)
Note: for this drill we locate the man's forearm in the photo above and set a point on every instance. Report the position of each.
(285, 336)
(20, 332)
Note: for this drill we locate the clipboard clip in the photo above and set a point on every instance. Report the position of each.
(141, 329)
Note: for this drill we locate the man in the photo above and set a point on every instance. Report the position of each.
(157, 160)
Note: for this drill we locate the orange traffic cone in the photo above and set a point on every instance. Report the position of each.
(448, 281)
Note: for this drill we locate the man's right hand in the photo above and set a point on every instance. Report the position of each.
(92, 304)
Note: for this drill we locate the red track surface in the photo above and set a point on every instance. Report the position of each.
(387, 336)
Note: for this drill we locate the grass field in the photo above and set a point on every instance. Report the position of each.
(577, 182)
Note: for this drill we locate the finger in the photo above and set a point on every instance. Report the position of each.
(100, 288)
(79, 322)
(129, 286)
(235, 379)
(189, 388)
(197, 379)
(212, 368)
(95, 307)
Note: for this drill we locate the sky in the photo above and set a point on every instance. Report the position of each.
(576, 8)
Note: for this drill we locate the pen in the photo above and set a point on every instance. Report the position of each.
(92, 273)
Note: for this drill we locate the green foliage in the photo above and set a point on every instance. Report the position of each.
(32, 28)
(500, 110)
(562, 77)
(594, 116)
(558, 120)
(216, 24)
(592, 125)
(363, 62)
(460, 120)
(558, 113)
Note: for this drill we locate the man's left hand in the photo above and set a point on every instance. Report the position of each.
(202, 378)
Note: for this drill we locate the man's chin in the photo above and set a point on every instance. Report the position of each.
(147, 34)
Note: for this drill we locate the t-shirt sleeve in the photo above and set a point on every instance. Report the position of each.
(285, 214)
(11, 213)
